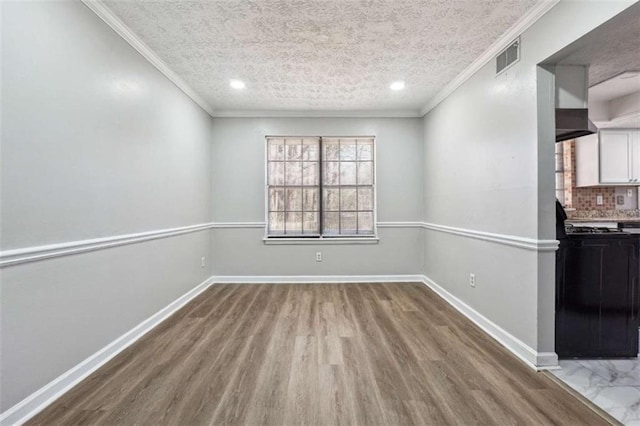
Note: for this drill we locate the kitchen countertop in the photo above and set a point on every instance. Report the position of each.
(604, 219)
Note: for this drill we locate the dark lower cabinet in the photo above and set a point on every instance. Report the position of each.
(597, 296)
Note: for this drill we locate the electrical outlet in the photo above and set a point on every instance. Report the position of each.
(630, 193)
(472, 280)
(202, 262)
(319, 256)
(599, 200)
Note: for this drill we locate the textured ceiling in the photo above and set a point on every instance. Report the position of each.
(319, 54)
(610, 49)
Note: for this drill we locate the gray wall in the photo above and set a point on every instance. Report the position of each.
(239, 196)
(95, 143)
(489, 167)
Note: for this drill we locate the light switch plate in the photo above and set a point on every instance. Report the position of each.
(599, 200)
(630, 193)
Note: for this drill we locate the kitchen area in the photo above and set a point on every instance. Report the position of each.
(598, 280)
(597, 189)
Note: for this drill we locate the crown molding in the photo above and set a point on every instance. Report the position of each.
(498, 46)
(318, 113)
(104, 13)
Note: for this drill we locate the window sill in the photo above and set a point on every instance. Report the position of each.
(314, 241)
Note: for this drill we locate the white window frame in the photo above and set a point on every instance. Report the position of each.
(321, 239)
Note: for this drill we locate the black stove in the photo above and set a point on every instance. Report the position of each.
(597, 298)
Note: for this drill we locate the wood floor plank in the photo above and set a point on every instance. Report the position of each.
(313, 354)
(231, 408)
(268, 403)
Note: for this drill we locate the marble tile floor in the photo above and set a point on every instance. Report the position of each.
(613, 385)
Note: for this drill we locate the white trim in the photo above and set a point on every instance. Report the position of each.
(547, 361)
(319, 139)
(400, 224)
(315, 279)
(320, 240)
(318, 113)
(236, 225)
(395, 224)
(37, 401)
(507, 240)
(104, 13)
(536, 360)
(33, 254)
(498, 46)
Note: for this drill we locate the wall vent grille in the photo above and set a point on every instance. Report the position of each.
(508, 56)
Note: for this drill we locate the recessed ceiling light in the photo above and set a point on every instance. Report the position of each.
(397, 85)
(237, 84)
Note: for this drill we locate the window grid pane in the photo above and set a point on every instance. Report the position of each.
(330, 195)
(292, 168)
(348, 174)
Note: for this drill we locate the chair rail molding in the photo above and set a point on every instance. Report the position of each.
(36, 253)
(504, 239)
(507, 240)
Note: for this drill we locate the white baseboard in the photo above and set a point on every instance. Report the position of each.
(37, 401)
(534, 359)
(547, 361)
(315, 279)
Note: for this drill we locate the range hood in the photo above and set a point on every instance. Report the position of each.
(572, 123)
(572, 91)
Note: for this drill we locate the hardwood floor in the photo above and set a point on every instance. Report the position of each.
(354, 354)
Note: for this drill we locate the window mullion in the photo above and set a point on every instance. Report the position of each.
(286, 187)
(339, 187)
(357, 206)
(302, 185)
(321, 188)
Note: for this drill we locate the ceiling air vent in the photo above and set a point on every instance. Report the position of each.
(508, 57)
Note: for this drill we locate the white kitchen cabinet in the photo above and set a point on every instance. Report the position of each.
(634, 152)
(620, 156)
(612, 157)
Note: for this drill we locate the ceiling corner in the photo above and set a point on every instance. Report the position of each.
(526, 21)
(104, 13)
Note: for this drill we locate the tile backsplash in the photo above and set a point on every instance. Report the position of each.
(617, 201)
(586, 198)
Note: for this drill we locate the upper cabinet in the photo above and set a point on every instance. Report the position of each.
(612, 157)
